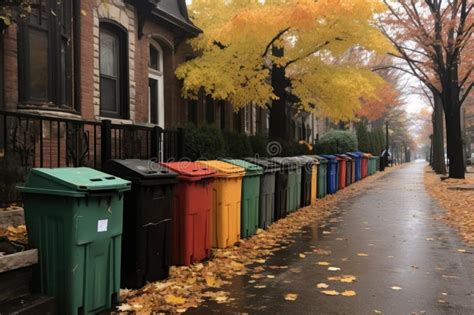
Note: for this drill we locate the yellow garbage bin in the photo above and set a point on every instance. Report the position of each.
(314, 177)
(226, 203)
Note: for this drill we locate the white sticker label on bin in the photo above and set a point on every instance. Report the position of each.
(102, 225)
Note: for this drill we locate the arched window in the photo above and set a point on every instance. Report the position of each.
(114, 90)
(156, 111)
(45, 55)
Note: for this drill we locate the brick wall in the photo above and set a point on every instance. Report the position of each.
(87, 92)
(10, 70)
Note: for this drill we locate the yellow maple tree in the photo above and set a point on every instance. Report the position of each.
(260, 52)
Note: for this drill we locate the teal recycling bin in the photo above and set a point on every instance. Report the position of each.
(74, 218)
(250, 197)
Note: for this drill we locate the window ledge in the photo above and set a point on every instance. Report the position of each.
(51, 113)
(116, 121)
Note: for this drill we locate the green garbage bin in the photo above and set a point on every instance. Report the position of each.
(322, 176)
(250, 197)
(74, 218)
(373, 165)
(294, 185)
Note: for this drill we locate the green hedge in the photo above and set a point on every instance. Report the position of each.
(204, 142)
(237, 145)
(336, 141)
(211, 143)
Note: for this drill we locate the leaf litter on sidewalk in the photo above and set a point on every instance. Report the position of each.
(189, 286)
(458, 203)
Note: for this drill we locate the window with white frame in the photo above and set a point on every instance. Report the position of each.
(156, 111)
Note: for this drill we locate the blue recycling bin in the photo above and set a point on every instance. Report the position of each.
(357, 156)
(331, 173)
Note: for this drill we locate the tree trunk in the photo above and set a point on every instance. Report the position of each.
(454, 139)
(438, 161)
(278, 116)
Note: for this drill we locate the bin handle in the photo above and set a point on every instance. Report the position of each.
(156, 223)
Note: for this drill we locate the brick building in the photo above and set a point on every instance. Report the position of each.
(97, 60)
(92, 60)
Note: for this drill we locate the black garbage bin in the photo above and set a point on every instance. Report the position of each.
(267, 191)
(147, 220)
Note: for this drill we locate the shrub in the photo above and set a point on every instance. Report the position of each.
(363, 137)
(203, 142)
(279, 147)
(336, 141)
(258, 144)
(237, 145)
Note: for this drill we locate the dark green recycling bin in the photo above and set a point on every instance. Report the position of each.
(250, 197)
(291, 166)
(322, 176)
(74, 219)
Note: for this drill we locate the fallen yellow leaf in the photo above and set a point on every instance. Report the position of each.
(322, 286)
(348, 293)
(302, 255)
(174, 300)
(323, 263)
(396, 288)
(210, 281)
(291, 296)
(330, 292)
(348, 279)
(362, 254)
(334, 268)
(236, 265)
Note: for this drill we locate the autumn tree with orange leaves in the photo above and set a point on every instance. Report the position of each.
(434, 39)
(285, 55)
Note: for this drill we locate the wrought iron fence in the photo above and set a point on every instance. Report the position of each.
(31, 140)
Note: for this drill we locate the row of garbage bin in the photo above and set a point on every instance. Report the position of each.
(97, 232)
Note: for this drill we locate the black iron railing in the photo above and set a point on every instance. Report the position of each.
(31, 140)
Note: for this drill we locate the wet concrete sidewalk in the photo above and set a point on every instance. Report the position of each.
(407, 249)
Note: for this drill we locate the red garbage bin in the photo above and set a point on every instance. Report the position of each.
(190, 237)
(365, 165)
(341, 164)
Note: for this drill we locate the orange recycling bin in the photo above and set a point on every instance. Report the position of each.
(226, 203)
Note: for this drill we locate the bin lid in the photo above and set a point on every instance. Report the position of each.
(329, 157)
(135, 169)
(322, 160)
(286, 164)
(353, 155)
(224, 169)
(190, 171)
(307, 160)
(73, 182)
(301, 161)
(367, 155)
(250, 168)
(267, 165)
(314, 158)
(345, 156)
